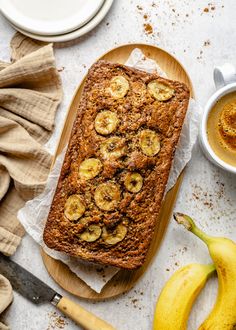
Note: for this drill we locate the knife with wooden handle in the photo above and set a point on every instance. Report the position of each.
(38, 292)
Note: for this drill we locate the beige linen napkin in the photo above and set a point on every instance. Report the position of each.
(30, 92)
(6, 297)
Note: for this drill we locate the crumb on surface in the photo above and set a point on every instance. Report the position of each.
(207, 43)
(148, 28)
(210, 7)
(56, 321)
(61, 69)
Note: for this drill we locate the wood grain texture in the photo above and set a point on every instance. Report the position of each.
(124, 280)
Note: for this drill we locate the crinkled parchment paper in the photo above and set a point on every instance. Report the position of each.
(34, 214)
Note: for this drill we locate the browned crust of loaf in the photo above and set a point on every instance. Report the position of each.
(167, 118)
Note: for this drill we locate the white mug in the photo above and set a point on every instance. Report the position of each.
(225, 82)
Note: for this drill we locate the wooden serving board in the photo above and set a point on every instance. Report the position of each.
(123, 280)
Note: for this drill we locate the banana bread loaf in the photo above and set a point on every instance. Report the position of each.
(116, 167)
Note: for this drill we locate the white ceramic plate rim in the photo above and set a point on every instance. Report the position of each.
(55, 27)
(74, 34)
(203, 128)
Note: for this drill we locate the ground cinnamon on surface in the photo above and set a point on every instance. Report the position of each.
(148, 28)
(56, 321)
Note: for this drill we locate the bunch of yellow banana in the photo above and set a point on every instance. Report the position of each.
(177, 297)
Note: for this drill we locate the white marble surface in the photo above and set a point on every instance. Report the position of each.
(200, 40)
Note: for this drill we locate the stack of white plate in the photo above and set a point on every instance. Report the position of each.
(54, 20)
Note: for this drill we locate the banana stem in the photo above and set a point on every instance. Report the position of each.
(210, 269)
(190, 225)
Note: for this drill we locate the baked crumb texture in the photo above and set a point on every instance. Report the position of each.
(116, 167)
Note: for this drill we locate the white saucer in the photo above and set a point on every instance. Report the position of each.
(74, 34)
(50, 17)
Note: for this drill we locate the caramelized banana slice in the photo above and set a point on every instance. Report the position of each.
(149, 142)
(113, 147)
(115, 236)
(91, 234)
(90, 168)
(106, 122)
(74, 207)
(107, 196)
(133, 182)
(160, 91)
(119, 87)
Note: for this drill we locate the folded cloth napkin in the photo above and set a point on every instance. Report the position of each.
(30, 92)
(6, 297)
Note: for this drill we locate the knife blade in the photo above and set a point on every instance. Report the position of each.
(38, 292)
(25, 283)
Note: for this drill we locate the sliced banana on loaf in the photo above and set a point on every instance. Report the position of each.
(149, 142)
(91, 234)
(106, 122)
(161, 91)
(119, 87)
(74, 207)
(133, 182)
(90, 168)
(114, 236)
(107, 196)
(114, 147)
